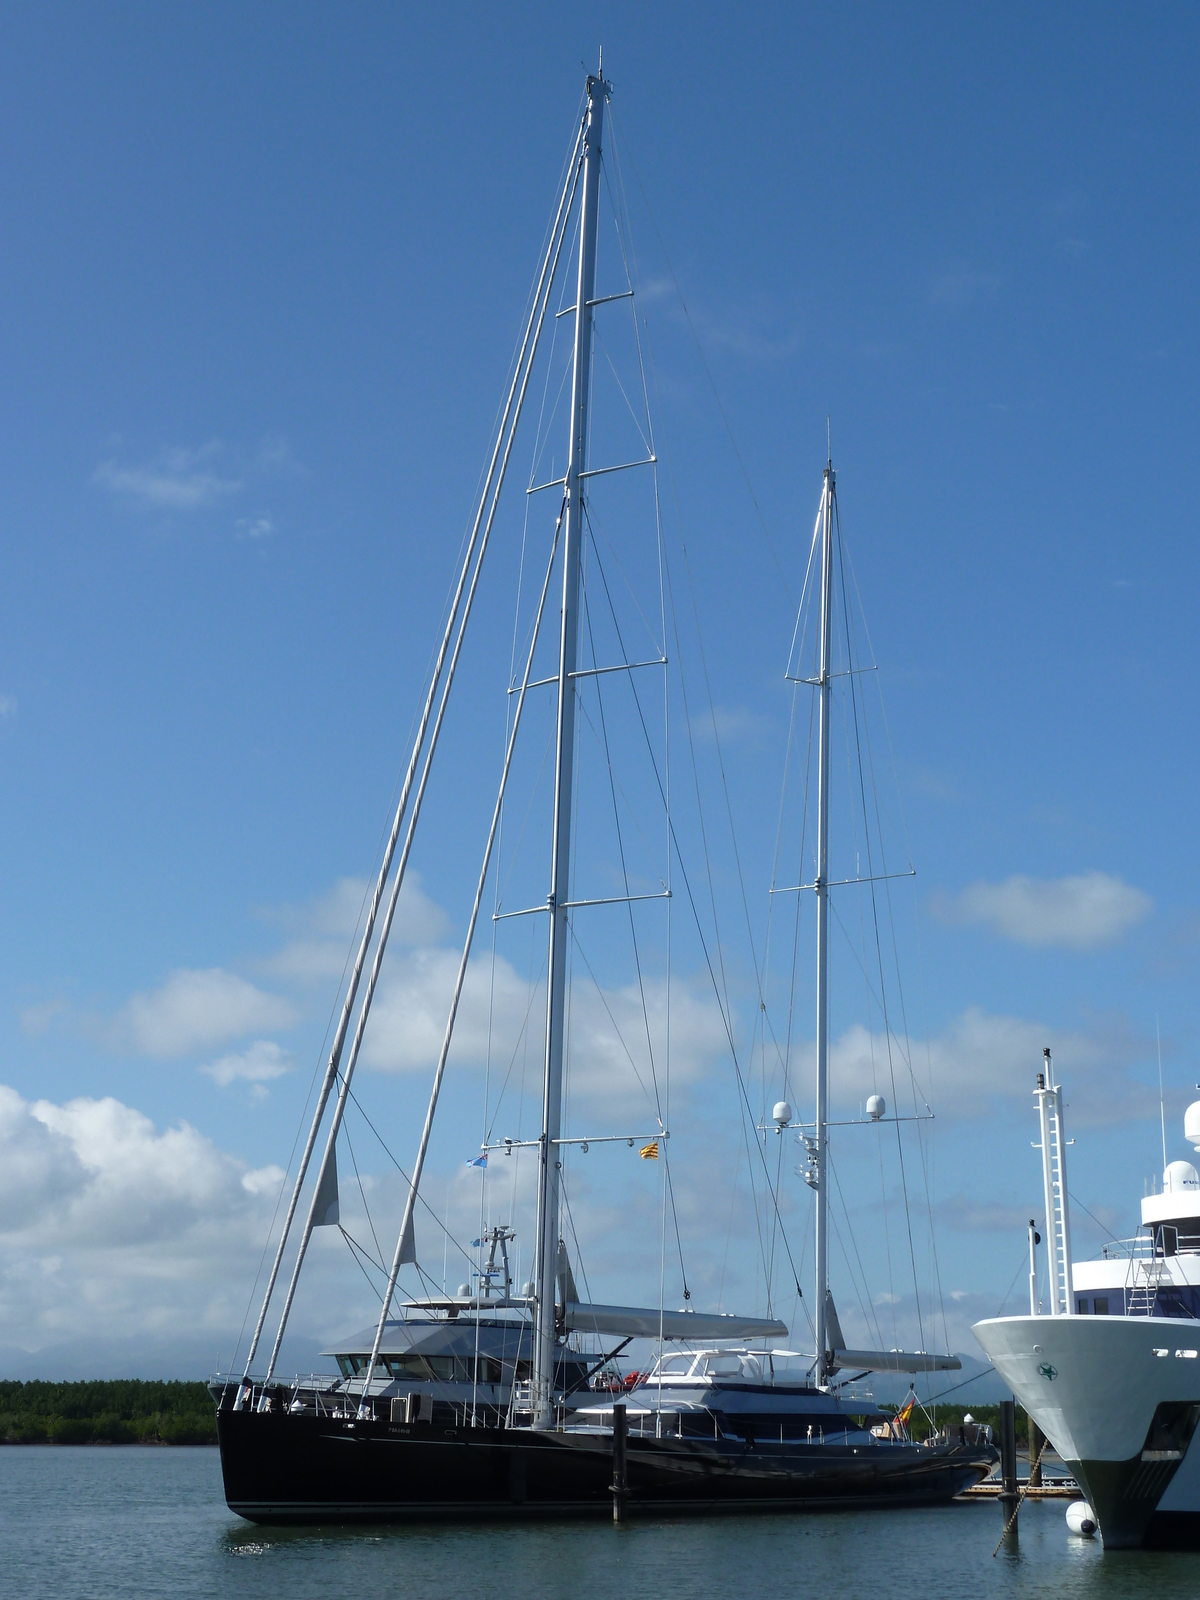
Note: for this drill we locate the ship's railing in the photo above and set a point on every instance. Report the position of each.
(1146, 1246)
(1141, 1248)
(963, 1433)
(860, 1389)
(324, 1392)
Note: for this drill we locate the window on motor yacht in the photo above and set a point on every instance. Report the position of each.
(412, 1367)
(723, 1366)
(444, 1369)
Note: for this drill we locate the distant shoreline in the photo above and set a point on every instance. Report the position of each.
(108, 1444)
(118, 1411)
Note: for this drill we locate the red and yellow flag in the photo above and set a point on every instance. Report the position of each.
(900, 1419)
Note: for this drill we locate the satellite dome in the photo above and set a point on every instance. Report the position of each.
(464, 1291)
(876, 1106)
(1191, 1124)
(1179, 1177)
(782, 1113)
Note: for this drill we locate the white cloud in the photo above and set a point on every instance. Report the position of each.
(257, 1065)
(195, 1010)
(275, 455)
(983, 1061)
(254, 527)
(730, 724)
(110, 1225)
(39, 1019)
(965, 1214)
(8, 705)
(933, 785)
(962, 1213)
(263, 1180)
(37, 1169)
(325, 932)
(178, 479)
(1080, 913)
(608, 1050)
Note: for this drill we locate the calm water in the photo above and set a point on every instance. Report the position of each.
(100, 1522)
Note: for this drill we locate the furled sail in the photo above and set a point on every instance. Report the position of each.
(647, 1322)
(326, 1211)
(838, 1358)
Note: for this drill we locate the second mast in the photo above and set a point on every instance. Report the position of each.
(560, 866)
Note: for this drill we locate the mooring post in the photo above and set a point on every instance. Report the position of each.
(620, 1483)
(1036, 1440)
(1008, 1466)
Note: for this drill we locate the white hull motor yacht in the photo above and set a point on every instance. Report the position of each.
(1112, 1374)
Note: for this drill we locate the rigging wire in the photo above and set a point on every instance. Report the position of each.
(869, 1313)
(907, 1049)
(720, 987)
(475, 549)
(669, 593)
(625, 241)
(928, 1181)
(522, 1036)
(711, 381)
(603, 739)
(355, 1249)
(878, 944)
(404, 1175)
(362, 1192)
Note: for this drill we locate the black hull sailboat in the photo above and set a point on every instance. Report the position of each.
(483, 1404)
(280, 1468)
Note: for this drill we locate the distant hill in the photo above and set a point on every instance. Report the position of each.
(188, 1359)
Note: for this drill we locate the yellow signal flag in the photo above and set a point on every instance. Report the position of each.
(649, 1152)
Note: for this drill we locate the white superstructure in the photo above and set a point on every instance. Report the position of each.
(1111, 1374)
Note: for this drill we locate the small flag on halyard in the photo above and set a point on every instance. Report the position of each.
(477, 1161)
(649, 1152)
(906, 1411)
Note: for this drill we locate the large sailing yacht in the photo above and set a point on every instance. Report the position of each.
(484, 1402)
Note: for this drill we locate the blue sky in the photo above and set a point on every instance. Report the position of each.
(264, 272)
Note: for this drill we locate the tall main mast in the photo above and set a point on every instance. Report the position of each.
(560, 870)
(822, 888)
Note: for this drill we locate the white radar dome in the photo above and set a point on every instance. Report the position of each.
(1179, 1177)
(782, 1113)
(1191, 1124)
(464, 1291)
(876, 1106)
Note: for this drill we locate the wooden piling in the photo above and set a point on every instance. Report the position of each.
(1009, 1494)
(620, 1483)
